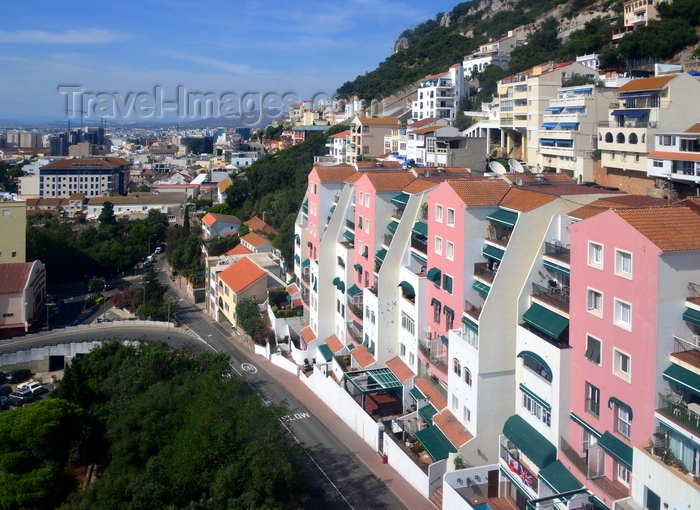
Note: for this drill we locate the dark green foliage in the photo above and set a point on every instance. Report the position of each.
(488, 84)
(184, 250)
(237, 193)
(688, 10)
(578, 79)
(220, 246)
(8, 175)
(96, 284)
(107, 217)
(194, 146)
(542, 46)
(186, 219)
(284, 240)
(660, 39)
(249, 318)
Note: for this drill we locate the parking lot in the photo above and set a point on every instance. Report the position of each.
(38, 385)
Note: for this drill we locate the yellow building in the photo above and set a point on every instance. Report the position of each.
(13, 232)
(241, 280)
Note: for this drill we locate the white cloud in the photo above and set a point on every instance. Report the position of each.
(88, 36)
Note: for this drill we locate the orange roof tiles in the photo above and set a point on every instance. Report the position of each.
(14, 276)
(423, 122)
(342, 134)
(695, 128)
(292, 289)
(424, 130)
(402, 372)
(255, 240)
(378, 121)
(530, 177)
(224, 184)
(239, 249)
(378, 164)
(307, 335)
(362, 356)
(452, 428)
(655, 83)
(480, 192)
(242, 274)
(256, 223)
(353, 178)
(433, 394)
(418, 186)
(211, 218)
(669, 228)
(675, 156)
(83, 163)
(334, 173)
(525, 201)
(334, 344)
(389, 180)
(619, 202)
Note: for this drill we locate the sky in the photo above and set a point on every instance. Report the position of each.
(52, 55)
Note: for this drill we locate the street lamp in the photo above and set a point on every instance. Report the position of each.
(207, 342)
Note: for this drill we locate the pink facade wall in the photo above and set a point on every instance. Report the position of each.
(364, 187)
(313, 214)
(611, 231)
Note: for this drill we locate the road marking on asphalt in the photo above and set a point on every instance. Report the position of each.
(295, 416)
(247, 367)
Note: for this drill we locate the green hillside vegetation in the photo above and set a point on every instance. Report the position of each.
(434, 49)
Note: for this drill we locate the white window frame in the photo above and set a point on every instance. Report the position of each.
(455, 402)
(438, 213)
(450, 217)
(589, 393)
(450, 250)
(366, 226)
(593, 261)
(623, 474)
(619, 263)
(600, 350)
(618, 307)
(618, 365)
(623, 423)
(594, 310)
(366, 199)
(438, 245)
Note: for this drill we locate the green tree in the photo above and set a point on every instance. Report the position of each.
(220, 246)
(237, 193)
(107, 216)
(96, 284)
(195, 145)
(249, 318)
(462, 122)
(186, 219)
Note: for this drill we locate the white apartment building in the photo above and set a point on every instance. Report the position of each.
(438, 95)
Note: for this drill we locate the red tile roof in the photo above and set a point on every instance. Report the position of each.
(292, 289)
(14, 277)
(242, 274)
(675, 156)
(378, 121)
(419, 186)
(525, 200)
(695, 128)
(256, 223)
(239, 249)
(389, 180)
(423, 122)
(334, 344)
(337, 173)
(670, 228)
(210, 218)
(480, 192)
(255, 240)
(342, 134)
(78, 163)
(452, 428)
(307, 335)
(402, 371)
(655, 83)
(430, 391)
(362, 356)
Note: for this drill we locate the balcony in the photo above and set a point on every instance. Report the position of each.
(557, 251)
(355, 333)
(678, 412)
(306, 275)
(687, 351)
(350, 225)
(509, 453)
(388, 238)
(558, 296)
(482, 272)
(420, 244)
(498, 235)
(472, 310)
(356, 308)
(614, 490)
(397, 213)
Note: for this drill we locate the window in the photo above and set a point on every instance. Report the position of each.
(467, 414)
(594, 302)
(595, 255)
(449, 319)
(537, 410)
(407, 323)
(366, 226)
(467, 376)
(360, 222)
(457, 367)
(455, 402)
(436, 312)
(623, 264)
(450, 217)
(412, 359)
(367, 199)
(438, 245)
(593, 349)
(624, 425)
(447, 283)
(623, 314)
(374, 318)
(438, 213)
(622, 365)
(623, 474)
(402, 349)
(592, 400)
(450, 251)
(313, 188)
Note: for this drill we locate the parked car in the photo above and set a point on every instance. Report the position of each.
(4, 403)
(18, 375)
(20, 397)
(32, 386)
(5, 390)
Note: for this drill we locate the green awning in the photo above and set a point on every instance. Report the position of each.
(315, 283)
(420, 258)
(336, 280)
(297, 259)
(493, 253)
(469, 322)
(526, 439)
(427, 412)
(297, 238)
(420, 228)
(305, 206)
(350, 236)
(434, 274)
(445, 341)
(434, 302)
(416, 393)
(506, 218)
(325, 352)
(683, 377)
(548, 322)
(391, 227)
(309, 244)
(357, 325)
(341, 287)
(558, 478)
(619, 403)
(435, 443)
(556, 268)
(481, 288)
(449, 311)
(692, 316)
(597, 504)
(306, 263)
(534, 396)
(585, 425)
(401, 199)
(407, 287)
(616, 448)
(354, 290)
(358, 267)
(539, 360)
(380, 255)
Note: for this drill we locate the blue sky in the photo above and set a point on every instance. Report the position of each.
(243, 46)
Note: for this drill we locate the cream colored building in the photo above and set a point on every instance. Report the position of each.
(243, 279)
(367, 136)
(13, 232)
(22, 296)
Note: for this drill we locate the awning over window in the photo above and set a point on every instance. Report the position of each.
(445, 341)
(357, 325)
(584, 424)
(534, 396)
(297, 238)
(558, 478)
(575, 107)
(306, 263)
(616, 448)
(504, 217)
(336, 280)
(354, 291)
(556, 109)
(632, 114)
(427, 412)
(549, 125)
(538, 359)
(634, 95)
(683, 377)
(401, 199)
(568, 124)
(341, 287)
(493, 253)
(391, 227)
(469, 322)
(420, 258)
(692, 316)
(548, 143)
(297, 259)
(434, 274)
(435, 443)
(309, 244)
(556, 268)
(435, 302)
(358, 267)
(548, 322)
(449, 311)
(416, 394)
(619, 403)
(526, 439)
(582, 90)
(420, 228)
(350, 236)
(407, 287)
(481, 288)
(325, 351)
(380, 255)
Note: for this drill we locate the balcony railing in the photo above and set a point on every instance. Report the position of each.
(355, 308)
(557, 251)
(350, 225)
(687, 351)
(579, 462)
(498, 235)
(472, 310)
(508, 453)
(306, 275)
(556, 296)
(482, 272)
(679, 412)
(397, 213)
(388, 238)
(613, 491)
(419, 243)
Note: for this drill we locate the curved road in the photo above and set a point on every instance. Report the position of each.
(339, 480)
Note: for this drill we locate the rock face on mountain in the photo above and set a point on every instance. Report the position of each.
(401, 44)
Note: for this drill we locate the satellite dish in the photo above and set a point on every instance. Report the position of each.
(515, 166)
(518, 181)
(497, 168)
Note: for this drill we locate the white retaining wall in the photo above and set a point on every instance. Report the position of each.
(406, 467)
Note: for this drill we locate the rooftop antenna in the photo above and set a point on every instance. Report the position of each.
(497, 168)
(515, 166)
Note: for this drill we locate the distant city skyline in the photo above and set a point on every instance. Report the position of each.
(274, 47)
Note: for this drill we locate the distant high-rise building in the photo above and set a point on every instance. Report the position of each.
(31, 139)
(58, 144)
(93, 177)
(244, 132)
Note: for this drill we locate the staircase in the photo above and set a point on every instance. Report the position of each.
(436, 498)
